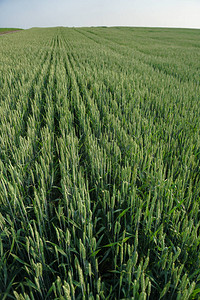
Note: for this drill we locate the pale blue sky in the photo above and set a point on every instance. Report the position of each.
(159, 13)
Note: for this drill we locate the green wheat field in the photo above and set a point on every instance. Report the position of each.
(7, 30)
(100, 164)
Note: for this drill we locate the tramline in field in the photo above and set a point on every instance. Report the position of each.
(99, 164)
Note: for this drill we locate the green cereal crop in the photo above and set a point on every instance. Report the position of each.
(100, 164)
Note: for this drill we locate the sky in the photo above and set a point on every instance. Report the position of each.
(69, 13)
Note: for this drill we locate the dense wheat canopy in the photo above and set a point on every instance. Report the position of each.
(99, 164)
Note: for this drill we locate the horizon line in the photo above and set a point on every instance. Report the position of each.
(105, 26)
